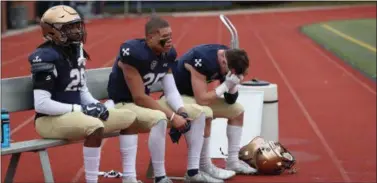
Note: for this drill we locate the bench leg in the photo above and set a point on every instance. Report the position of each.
(46, 166)
(12, 167)
(150, 170)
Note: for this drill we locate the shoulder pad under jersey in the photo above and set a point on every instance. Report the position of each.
(134, 50)
(43, 59)
(134, 53)
(221, 46)
(199, 62)
(172, 55)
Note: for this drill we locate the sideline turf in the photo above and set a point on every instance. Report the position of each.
(361, 30)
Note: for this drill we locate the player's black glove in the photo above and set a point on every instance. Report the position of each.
(188, 123)
(175, 134)
(97, 110)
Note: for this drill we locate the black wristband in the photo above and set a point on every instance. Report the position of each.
(231, 98)
(183, 114)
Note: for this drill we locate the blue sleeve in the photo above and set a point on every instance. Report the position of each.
(44, 55)
(131, 55)
(43, 60)
(43, 70)
(195, 60)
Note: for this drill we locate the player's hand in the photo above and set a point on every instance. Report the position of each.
(97, 110)
(188, 121)
(180, 123)
(179, 126)
(234, 89)
(231, 80)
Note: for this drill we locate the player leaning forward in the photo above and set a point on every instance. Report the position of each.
(65, 109)
(204, 64)
(140, 64)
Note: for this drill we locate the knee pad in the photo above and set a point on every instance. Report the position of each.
(232, 111)
(157, 117)
(236, 109)
(194, 110)
(208, 112)
(127, 115)
(93, 125)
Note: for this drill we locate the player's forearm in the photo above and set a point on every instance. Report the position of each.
(218, 92)
(207, 98)
(172, 95)
(87, 97)
(45, 105)
(149, 102)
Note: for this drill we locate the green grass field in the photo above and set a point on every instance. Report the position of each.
(354, 41)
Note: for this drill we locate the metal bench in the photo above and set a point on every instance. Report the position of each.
(17, 95)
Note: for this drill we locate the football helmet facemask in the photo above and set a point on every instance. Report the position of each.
(268, 157)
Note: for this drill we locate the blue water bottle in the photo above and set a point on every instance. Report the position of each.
(5, 129)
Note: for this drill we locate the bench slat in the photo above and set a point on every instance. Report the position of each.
(39, 144)
(17, 95)
(31, 145)
(17, 92)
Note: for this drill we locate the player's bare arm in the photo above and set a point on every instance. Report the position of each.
(135, 83)
(199, 85)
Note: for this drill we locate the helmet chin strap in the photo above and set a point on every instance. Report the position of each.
(81, 59)
(81, 51)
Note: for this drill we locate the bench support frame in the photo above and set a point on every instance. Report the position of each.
(12, 167)
(46, 165)
(45, 162)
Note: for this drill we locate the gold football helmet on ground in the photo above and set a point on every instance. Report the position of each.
(268, 157)
(63, 25)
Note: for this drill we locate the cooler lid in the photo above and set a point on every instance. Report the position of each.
(255, 82)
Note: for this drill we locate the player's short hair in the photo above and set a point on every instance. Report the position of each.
(237, 60)
(155, 23)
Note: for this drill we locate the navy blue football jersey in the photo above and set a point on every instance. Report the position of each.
(204, 59)
(152, 68)
(68, 72)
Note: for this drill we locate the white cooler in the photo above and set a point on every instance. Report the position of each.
(270, 122)
(260, 100)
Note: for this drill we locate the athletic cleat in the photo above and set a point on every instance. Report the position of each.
(217, 172)
(164, 180)
(240, 167)
(130, 180)
(201, 177)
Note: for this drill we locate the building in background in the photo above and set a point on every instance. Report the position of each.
(17, 14)
(20, 14)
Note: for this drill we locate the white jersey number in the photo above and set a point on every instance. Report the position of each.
(77, 80)
(152, 78)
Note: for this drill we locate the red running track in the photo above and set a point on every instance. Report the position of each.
(326, 110)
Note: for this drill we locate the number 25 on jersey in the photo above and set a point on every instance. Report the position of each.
(77, 77)
(152, 78)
